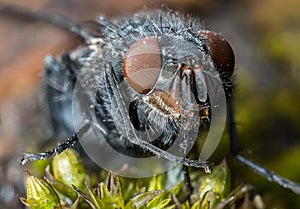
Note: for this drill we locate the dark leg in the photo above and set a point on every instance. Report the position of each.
(57, 20)
(234, 146)
(69, 143)
(187, 181)
(58, 87)
(270, 175)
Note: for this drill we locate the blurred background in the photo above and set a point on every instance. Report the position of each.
(265, 36)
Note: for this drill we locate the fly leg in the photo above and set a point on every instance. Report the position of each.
(57, 20)
(59, 82)
(187, 181)
(270, 175)
(118, 101)
(68, 143)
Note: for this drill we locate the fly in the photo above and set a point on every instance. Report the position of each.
(144, 86)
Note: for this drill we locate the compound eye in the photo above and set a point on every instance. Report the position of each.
(142, 64)
(221, 53)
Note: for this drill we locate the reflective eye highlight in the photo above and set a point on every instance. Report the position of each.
(142, 64)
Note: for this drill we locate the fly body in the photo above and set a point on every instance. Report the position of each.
(146, 86)
(142, 82)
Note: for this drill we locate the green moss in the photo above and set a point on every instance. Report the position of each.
(154, 193)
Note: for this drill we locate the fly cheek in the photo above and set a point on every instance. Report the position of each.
(220, 52)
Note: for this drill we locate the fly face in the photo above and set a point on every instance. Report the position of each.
(153, 76)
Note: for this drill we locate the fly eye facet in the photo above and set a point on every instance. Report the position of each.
(221, 53)
(142, 64)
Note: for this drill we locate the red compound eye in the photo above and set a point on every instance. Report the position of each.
(221, 53)
(142, 64)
